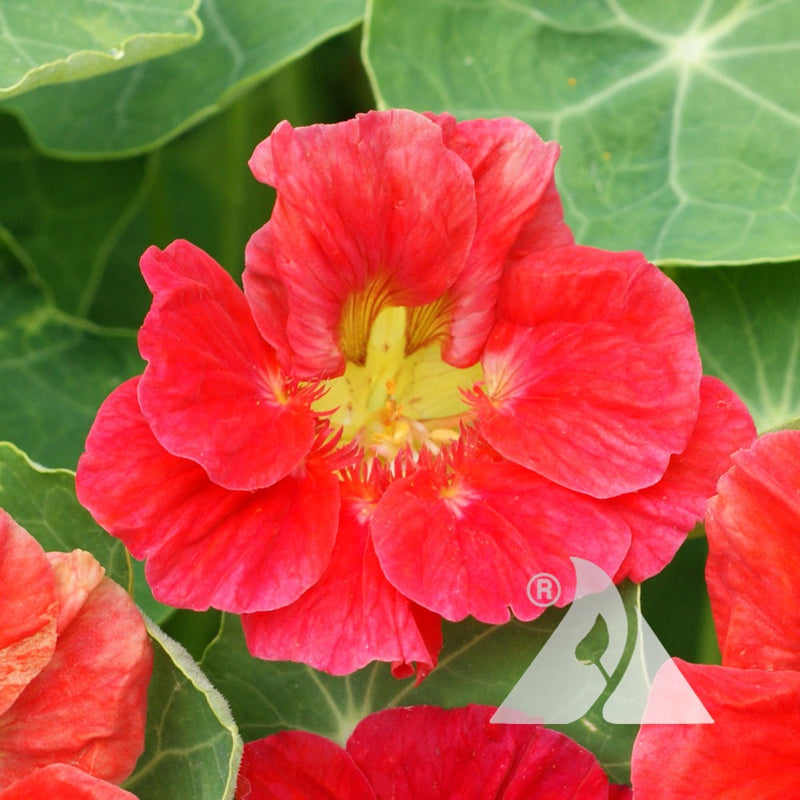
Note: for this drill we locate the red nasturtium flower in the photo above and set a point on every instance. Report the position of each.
(75, 663)
(424, 751)
(752, 751)
(426, 394)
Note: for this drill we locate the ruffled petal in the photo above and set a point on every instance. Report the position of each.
(512, 168)
(28, 610)
(193, 532)
(754, 555)
(213, 390)
(410, 753)
(87, 706)
(296, 764)
(370, 213)
(352, 615)
(63, 782)
(660, 516)
(592, 378)
(468, 540)
(751, 752)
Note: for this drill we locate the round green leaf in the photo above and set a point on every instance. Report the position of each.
(51, 41)
(138, 109)
(678, 121)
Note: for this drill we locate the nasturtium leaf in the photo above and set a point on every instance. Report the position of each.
(679, 121)
(192, 745)
(43, 502)
(52, 41)
(55, 371)
(65, 217)
(748, 330)
(140, 108)
(199, 187)
(479, 664)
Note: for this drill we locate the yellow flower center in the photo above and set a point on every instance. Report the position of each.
(401, 394)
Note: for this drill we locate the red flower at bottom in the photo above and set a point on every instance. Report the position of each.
(424, 751)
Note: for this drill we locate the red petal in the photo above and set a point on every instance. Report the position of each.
(87, 706)
(751, 752)
(660, 516)
(374, 210)
(213, 391)
(77, 575)
(28, 611)
(512, 168)
(299, 765)
(620, 792)
(754, 555)
(351, 616)
(546, 229)
(206, 546)
(592, 380)
(266, 293)
(63, 782)
(468, 543)
(411, 753)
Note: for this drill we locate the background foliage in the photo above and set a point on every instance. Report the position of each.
(127, 124)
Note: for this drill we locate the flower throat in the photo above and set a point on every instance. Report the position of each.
(397, 398)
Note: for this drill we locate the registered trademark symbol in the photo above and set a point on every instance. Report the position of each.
(543, 589)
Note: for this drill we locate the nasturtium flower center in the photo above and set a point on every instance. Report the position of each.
(402, 393)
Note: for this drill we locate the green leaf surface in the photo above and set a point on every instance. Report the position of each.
(748, 330)
(52, 41)
(192, 746)
(62, 219)
(55, 372)
(479, 664)
(137, 109)
(679, 121)
(43, 502)
(79, 228)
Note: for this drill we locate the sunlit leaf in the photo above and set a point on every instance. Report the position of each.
(679, 121)
(139, 108)
(51, 41)
(192, 746)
